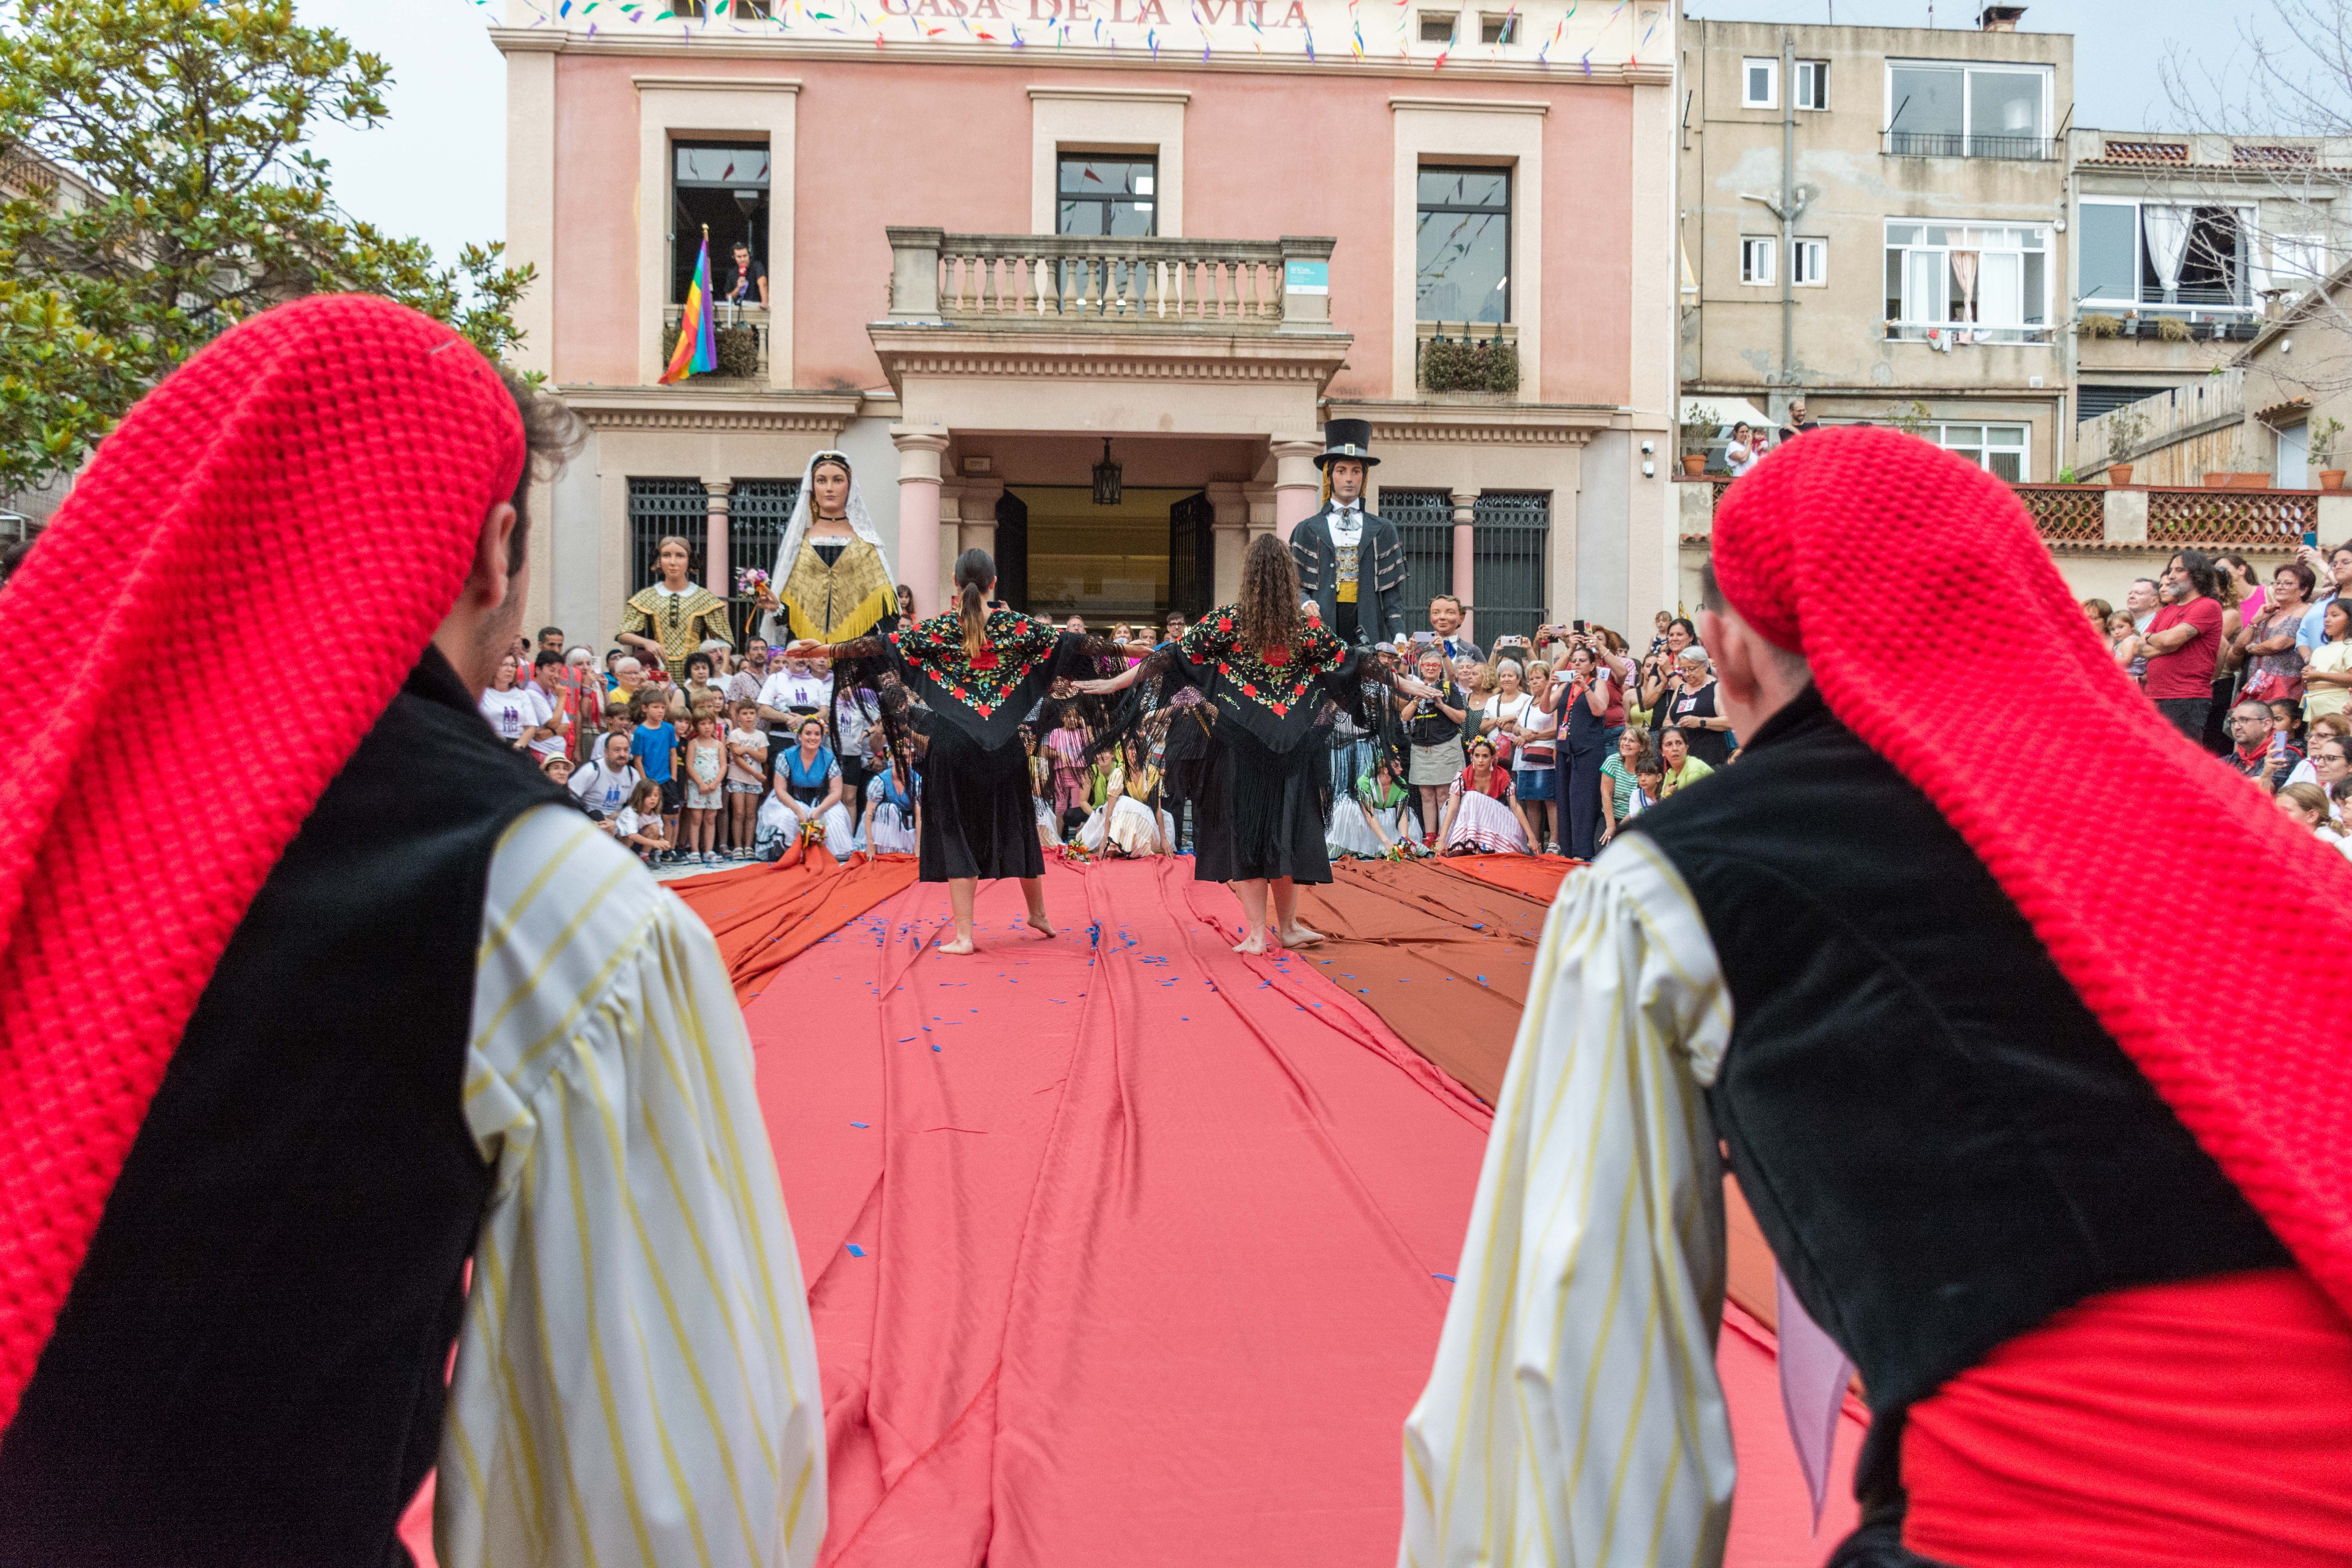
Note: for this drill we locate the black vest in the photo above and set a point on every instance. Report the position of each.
(1941, 1143)
(249, 1367)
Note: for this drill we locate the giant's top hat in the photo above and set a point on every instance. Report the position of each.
(1347, 438)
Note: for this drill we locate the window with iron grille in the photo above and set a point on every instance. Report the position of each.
(1424, 525)
(1508, 531)
(756, 514)
(661, 507)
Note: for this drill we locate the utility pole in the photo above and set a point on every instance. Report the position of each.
(1787, 206)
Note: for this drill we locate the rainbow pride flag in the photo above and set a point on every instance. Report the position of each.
(696, 350)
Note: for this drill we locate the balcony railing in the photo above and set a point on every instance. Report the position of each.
(1964, 334)
(741, 334)
(999, 280)
(1954, 144)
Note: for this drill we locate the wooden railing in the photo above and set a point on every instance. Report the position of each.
(2166, 417)
(1062, 280)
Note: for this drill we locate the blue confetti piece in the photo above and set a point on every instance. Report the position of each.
(858, 1124)
(856, 1250)
(1482, 979)
(935, 1047)
(1447, 1277)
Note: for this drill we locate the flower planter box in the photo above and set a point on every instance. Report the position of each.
(1449, 365)
(2237, 482)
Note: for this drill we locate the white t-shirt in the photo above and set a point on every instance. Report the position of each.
(513, 710)
(551, 713)
(754, 742)
(1540, 749)
(629, 822)
(790, 693)
(605, 791)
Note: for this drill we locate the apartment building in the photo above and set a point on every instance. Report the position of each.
(1080, 283)
(1873, 219)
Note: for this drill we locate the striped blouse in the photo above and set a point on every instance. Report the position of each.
(635, 1381)
(1573, 1416)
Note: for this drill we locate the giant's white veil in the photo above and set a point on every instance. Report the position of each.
(774, 625)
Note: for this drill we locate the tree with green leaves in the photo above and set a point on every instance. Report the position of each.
(192, 203)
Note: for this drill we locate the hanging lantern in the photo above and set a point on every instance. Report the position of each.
(1107, 478)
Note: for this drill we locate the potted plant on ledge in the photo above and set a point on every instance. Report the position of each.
(2125, 425)
(2324, 433)
(1701, 425)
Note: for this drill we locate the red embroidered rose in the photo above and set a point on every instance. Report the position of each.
(1224, 669)
(1299, 689)
(1277, 656)
(1249, 689)
(958, 692)
(1224, 623)
(1279, 708)
(985, 659)
(982, 708)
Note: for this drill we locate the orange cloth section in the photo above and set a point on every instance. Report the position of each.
(1536, 876)
(1444, 960)
(765, 915)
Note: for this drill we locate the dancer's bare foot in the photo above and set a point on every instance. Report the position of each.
(1300, 936)
(1254, 942)
(1039, 924)
(955, 946)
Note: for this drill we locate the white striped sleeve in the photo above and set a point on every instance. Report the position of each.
(636, 1380)
(1573, 1418)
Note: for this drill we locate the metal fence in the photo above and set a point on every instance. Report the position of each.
(756, 515)
(1509, 532)
(661, 507)
(1424, 525)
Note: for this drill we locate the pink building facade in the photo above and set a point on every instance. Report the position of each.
(993, 271)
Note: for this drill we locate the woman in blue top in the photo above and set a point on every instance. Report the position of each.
(808, 787)
(893, 824)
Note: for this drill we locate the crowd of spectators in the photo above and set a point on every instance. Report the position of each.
(1542, 744)
(2258, 673)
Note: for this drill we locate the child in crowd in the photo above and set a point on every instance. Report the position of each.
(557, 767)
(655, 746)
(746, 770)
(640, 823)
(705, 770)
(1652, 778)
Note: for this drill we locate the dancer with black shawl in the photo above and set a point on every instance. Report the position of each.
(1275, 680)
(976, 671)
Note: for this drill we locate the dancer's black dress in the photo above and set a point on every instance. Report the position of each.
(1263, 800)
(978, 819)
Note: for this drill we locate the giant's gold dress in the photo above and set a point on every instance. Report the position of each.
(680, 622)
(840, 602)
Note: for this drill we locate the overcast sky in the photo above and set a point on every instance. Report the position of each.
(437, 169)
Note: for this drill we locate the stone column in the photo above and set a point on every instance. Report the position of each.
(714, 552)
(950, 536)
(977, 531)
(1261, 502)
(1297, 487)
(1230, 538)
(1466, 560)
(920, 447)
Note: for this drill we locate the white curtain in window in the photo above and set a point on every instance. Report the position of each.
(1927, 279)
(1964, 279)
(2001, 299)
(2167, 243)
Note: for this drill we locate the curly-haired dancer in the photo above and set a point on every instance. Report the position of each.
(1275, 680)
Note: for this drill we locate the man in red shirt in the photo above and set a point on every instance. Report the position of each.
(2182, 644)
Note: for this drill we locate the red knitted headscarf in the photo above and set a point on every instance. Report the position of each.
(311, 483)
(1918, 589)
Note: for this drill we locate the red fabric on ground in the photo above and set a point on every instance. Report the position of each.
(2208, 1422)
(764, 915)
(1536, 876)
(1444, 960)
(1154, 1274)
(1772, 1513)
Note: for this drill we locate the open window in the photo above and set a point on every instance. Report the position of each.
(1755, 259)
(1967, 283)
(721, 186)
(1812, 84)
(2161, 253)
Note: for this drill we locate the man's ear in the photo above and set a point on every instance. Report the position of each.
(487, 581)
